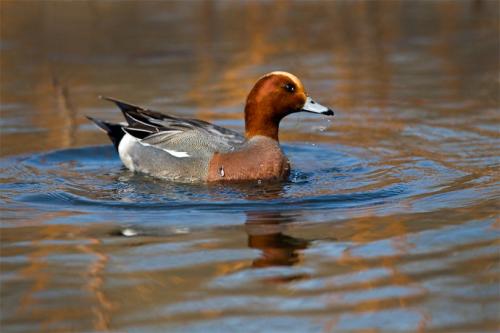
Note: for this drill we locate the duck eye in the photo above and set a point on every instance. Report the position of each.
(289, 87)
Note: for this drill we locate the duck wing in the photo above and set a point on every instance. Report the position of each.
(180, 137)
(155, 122)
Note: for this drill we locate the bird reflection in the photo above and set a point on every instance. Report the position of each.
(265, 233)
(266, 229)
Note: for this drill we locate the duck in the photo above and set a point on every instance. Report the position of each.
(193, 150)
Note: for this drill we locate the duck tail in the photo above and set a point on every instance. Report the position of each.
(135, 115)
(124, 106)
(114, 131)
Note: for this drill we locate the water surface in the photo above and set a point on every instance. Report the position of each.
(388, 222)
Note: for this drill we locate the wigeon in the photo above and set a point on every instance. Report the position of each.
(194, 150)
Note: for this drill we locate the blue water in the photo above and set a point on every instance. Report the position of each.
(347, 230)
(333, 237)
(93, 180)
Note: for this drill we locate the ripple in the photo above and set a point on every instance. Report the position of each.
(93, 177)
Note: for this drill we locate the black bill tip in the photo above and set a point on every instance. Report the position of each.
(328, 112)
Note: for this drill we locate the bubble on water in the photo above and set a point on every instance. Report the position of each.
(181, 230)
(129, 232)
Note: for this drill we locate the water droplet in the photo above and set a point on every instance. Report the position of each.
(221, 171)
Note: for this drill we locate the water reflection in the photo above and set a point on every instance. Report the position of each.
(266, 229)
(265, 233)
(390, 211)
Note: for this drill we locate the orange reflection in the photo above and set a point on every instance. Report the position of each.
(265, 233)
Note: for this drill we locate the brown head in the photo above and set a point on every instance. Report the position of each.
(273, 97)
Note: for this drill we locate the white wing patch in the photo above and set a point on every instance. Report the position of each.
(179, 154)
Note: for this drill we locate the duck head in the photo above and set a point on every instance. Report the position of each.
(273, 97)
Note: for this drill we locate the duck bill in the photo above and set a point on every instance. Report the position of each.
(311, 106)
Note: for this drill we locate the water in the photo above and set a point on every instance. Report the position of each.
(388, 223)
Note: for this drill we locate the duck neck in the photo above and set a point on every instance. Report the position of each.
(260, 121)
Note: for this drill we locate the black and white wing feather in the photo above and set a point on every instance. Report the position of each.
(143, 123)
